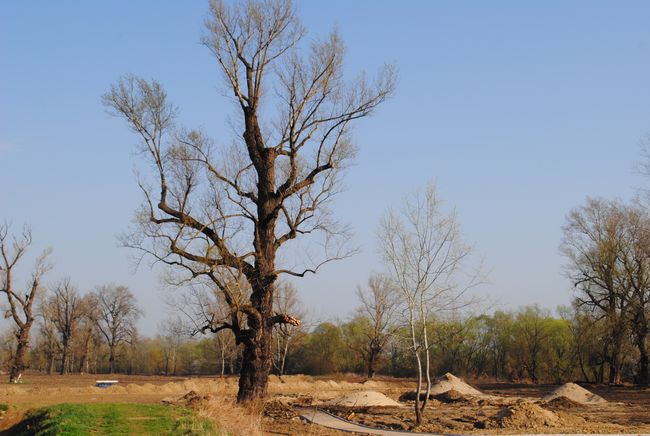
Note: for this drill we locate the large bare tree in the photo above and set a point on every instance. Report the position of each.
(237, 207)
(20, 300)
(427, 258)
(594, 236)
(117, 312)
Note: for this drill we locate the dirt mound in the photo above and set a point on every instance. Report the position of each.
(575, 393)
(453, 396)
(562, 403)
(450, 382)
(410, 396)
(450, 396)
(459, 390)
(522, 415)
(190, 399)
(364, 399)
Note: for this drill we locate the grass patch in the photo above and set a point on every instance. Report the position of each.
(113, 419)
(4, 407)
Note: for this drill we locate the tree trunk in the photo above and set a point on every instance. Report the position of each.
(50, 363)
(582, 367)
(418, 411)
(283, 362)
(111, 361)
(223, 362)
(372, 358)
(255, 368)
(257, 359)
(64, 356)
(615, 370)
(616, 357)
(644, 360)
(18, 364)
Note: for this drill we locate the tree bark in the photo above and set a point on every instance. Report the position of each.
(111, 361)
(372, 358)
(18, 364)
(643, 375)
(64, 356)
(50, 363)
(256, 367)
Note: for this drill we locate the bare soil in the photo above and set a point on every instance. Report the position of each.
(510, 408)
(500, 409)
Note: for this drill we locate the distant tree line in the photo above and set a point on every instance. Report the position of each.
(526, 345)
(602, 338)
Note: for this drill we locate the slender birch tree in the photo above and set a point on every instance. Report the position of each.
(424, 251)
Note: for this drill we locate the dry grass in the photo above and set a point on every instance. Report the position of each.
(232, 418)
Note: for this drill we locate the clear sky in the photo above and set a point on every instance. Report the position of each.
(516, 110)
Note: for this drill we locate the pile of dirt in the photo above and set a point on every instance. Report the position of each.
(191, 399)
(449, 388)
(575, 393)
(453, 396)
(364, 399)
(410, 396)
(522, 415)
(562, 403)
(450, 382)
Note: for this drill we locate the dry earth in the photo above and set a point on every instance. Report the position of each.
(455, 407)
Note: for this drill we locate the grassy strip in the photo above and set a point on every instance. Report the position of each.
(113, 419)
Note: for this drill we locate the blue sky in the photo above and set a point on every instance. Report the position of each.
(516, 110)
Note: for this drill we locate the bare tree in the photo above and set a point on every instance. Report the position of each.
(49, 342)
(117, 312)
(378, 305)
(66, 309)
(172, 337)
(88, 338)
(286, 300)
(592, 242)
(634, 278)
(21, 301)
(236, 208)
(422, 247)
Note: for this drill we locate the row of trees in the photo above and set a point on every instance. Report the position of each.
(527, 345)
(74, 327)
(71, 327)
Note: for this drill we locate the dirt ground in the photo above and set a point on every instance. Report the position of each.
(504, 408)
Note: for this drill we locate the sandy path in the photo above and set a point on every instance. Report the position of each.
(334, 422)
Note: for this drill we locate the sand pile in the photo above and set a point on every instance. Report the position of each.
(450, 382)
(575, 393)
(447, 388)
(562, 403)
(363, 399)
(453, 396)
(523, 415)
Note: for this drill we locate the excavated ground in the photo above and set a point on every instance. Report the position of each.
(501, 408)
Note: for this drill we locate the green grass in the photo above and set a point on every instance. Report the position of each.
(4, 407)
(113, 419)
